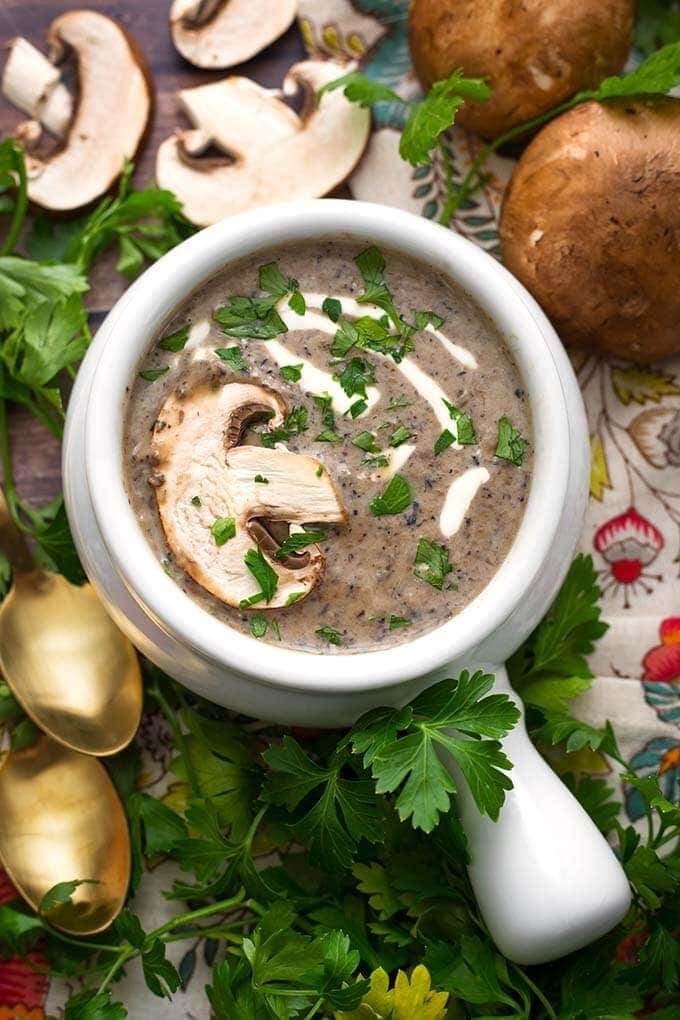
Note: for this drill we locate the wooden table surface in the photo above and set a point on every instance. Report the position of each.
(36, 453)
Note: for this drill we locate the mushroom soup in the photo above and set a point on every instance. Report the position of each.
(329, 446)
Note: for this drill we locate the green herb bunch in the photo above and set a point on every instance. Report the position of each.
(44, 329)
(326, 874)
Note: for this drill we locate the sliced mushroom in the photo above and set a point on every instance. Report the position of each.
(221, 33)
(206, 476)
(32, 83)
(110, 117)
(271, 153)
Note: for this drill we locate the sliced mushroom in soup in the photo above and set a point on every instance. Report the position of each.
(329, 446)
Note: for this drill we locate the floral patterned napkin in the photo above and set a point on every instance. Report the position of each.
(632, 527)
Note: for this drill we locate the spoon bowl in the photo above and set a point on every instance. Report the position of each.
(68, 665)
(62, 820)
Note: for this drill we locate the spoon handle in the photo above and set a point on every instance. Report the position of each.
(12, 542)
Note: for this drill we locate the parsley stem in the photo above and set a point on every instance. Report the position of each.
(20, 205)
(7, 468)
(171, 716)
(196, 915)
(124, 955)
(317, 1005)
(537, 992)
(449, 205)
(473, 178)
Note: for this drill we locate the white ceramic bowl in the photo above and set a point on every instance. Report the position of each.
(546, 880)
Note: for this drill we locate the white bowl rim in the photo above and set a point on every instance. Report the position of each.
(151, 300)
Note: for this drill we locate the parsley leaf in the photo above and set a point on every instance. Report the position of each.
(510, 446)
(61, 893)
(394, 499)
(264, 574)
(297, 303)
(151, 374)
(299, 540)
(408, 739)
(294, 424)
(223, 529)
(443, 441)
(258, 625)
(332, 308)
(330, 812)
(272, 280)
(400, 435)
(175, 341)
(356, 376)
(436, 113)
(233, 357)
(465, 430)
(432, 563)
(250, 318)
(397, 622)
(371, 265)
(291, 373)
(656, 75)
(330, 635)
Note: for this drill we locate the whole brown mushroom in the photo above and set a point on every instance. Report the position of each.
(534, 53)
(591, 226)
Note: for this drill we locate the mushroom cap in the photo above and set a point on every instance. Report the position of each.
(195, 452)
(591, 226)
(112, 110)
(272, 154)
(535, 53)
(221, 33)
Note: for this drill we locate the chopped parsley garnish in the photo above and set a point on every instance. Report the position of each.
(325, 405)
(294, 423)
(261, 480)
(376, 460)
(291, 373)
(444, 440)
(511, 446)
(328, 436)
(196, 500)
(319, 471)
(366, 442)
(432, 563)
(271, 279)
(396, 405)
(175, 341)
(151, 374)
(395, 498)
(332, 308)
(294, 597)
(251, 318)
(299, 540)
(465, 430)
(397, 622)
(258, 625)
(345, 338)
(400, 435)
(167, 568)
(297, 302)
(357, 408)
(356, 376)
(276, 629)
(329, 634)
(371, 265)
(223, 529)
(264, 574)
(424, 319)
(233, 357)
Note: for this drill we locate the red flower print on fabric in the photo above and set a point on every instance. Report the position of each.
(628, 543)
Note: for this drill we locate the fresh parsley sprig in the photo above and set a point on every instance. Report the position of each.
(429, 118)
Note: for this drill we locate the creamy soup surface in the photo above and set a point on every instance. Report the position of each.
(423, 434)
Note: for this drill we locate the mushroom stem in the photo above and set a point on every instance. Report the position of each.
(32, 84)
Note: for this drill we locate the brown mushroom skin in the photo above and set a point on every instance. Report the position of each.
(534, 53)
(591, 226)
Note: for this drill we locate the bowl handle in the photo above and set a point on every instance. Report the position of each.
(546, 880)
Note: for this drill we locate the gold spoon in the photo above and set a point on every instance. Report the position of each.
(62, 820)
(69, 667)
